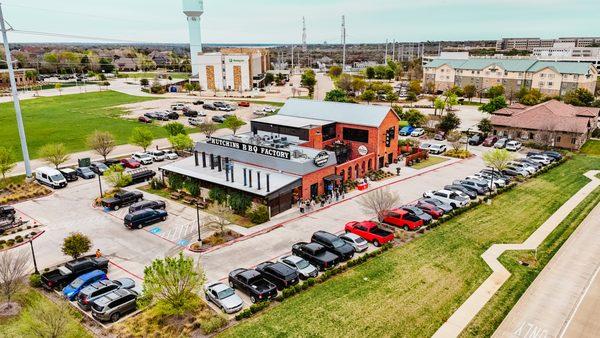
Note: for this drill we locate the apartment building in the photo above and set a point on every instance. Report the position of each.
(530, 44)
(569, 52)
(550, 77)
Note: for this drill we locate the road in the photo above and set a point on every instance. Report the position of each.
(564, 300)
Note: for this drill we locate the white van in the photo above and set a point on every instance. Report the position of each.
(195, 121)
(50, 177)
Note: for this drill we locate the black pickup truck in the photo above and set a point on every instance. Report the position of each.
(122, 199)
(315, 254)
(65, 274)
(252, 283)
(279, 274)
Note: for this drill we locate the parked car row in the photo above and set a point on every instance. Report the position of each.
(434, 148)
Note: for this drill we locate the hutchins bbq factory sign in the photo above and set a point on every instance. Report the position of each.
(251, 148)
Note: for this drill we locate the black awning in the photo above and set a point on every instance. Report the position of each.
(333, 177)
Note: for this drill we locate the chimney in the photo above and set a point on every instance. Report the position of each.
(196, 157)
(203, 159)
(258, 179)
(219, 165)
(245, 180)
(212, 162)
(268, 183)
(250, 177)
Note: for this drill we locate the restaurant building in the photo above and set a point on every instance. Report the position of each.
(308, 149)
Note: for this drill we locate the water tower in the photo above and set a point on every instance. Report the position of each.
(194, 9)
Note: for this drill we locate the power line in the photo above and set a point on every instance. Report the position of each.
(70, 36)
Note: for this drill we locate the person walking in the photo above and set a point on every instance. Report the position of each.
(98, 253)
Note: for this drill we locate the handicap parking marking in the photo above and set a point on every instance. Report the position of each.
(155, 230)
(183, 242)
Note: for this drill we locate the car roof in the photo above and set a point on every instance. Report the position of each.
(113, 295)
(249, 273)
(351, 236)
(218, 287)
(313, 246)
(293, 258)
(446, 191)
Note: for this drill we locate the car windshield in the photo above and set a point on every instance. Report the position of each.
(338, 243)
(359, 240)
(226, 293)
(302, 264)
(56, 177)
(101, 166)
(86, 170)
(159, 153)
(77, 283)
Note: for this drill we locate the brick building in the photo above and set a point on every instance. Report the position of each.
(308, 149)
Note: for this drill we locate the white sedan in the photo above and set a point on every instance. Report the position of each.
(417, 132)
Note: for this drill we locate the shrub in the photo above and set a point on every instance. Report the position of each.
(212, 324)
(257, 307)
(176, 181)
(311, 281)
(35, 280)
(218, 195)
(240, 202)
(193, 187)
(156, 184)
(19, 239)
(244, 314)
(259, 215)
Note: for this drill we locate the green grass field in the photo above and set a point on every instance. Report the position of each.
(432, 160)
(68, 119)
(29, 298)
(152, 75)
(411, 290)
(591, 147)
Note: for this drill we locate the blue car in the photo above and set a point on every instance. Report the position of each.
(405, 131)
(72, 290)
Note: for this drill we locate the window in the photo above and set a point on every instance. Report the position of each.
(328, 131)
(542, 75)
(549, 84)
(541, 84)
(557, 138)
(357, 135)
(573, 140)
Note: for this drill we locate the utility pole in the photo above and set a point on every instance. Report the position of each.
(15, 94)
(394, 50)
(304, 46)
(343, 43)
(386, 48)
(292, 70)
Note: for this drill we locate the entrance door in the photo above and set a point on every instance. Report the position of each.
(390, 157)
(314, 190)
(381, 160)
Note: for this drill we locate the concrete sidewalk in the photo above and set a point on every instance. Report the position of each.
(469, 309)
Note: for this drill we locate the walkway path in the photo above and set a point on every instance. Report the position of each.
(469, 309)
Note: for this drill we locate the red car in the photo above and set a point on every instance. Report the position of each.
(144, 119)
(430, 209)
(370, 231)
(489, 141)
(129, 163)
(402, 219)
(244, 104)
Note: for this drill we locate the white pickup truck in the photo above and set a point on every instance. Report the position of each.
(449, 197)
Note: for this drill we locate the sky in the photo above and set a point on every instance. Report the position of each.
(280, 21)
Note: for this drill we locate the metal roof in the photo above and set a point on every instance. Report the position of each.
(513, 65)
(291, 121)
(350, 113)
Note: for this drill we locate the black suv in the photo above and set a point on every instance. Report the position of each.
(209, 106)
(334, 244)
(279, 274)
(144, 217)
(147, 205)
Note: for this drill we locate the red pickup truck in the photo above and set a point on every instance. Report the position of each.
(370, 231)
(402, 219)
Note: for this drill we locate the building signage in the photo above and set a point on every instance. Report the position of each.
(362, 150)
(236, 60)
(321, 159)
(252, 148)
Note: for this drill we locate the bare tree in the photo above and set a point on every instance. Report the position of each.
(454, 138)
(378, 201)
(102, 142)
(220, 218)
(13, 267)
(40, 321)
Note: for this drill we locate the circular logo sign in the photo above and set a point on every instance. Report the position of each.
(321, 159)
(362, 150)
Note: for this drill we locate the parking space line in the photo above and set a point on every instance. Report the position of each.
(123, 269)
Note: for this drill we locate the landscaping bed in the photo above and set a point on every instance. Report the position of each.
(215, 239)
(21, 191)
(432, 160)
(418, 286)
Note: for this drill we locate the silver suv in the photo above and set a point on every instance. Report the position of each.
(113, 305)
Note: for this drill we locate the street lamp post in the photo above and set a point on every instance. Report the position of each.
(33, 255)
(100, 184)
(467, 142)
(198, 222)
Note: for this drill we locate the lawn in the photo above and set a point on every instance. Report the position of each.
(411, 290)
(152, 75)
(591, 147)
(30, 299)
(69, 119)
(432, 160)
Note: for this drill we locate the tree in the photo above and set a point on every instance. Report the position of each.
(54, 153)
(529, 97)
(415, 87)
(454, 138)
(103, 142)
(391, 97)
(439, 104)
(117, 177)
(208, 128)
(76, 244)
(378, 201)
(7, 161)
(430, 87)
(188, 87)
(579, 97)
(358, 85)
(39, 321)
(469, 91)
(451, 101)
(344, 82)
(335, 71)
(494, 104)
(144, 82)
(239, 202)
(142, 137)
(368, 96)
(498, 158)
(181, 142)
(370, 72)
(174, 281)
(233, 123)
(221, 214)
(456, 90)
(415, 118)
(449, 122)
(485, 126)
(58, 86)
(336, 95)
(269, 78)
(175, 128)
(13, 267)
(218, 195)
(309, 81)
(495, 91)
